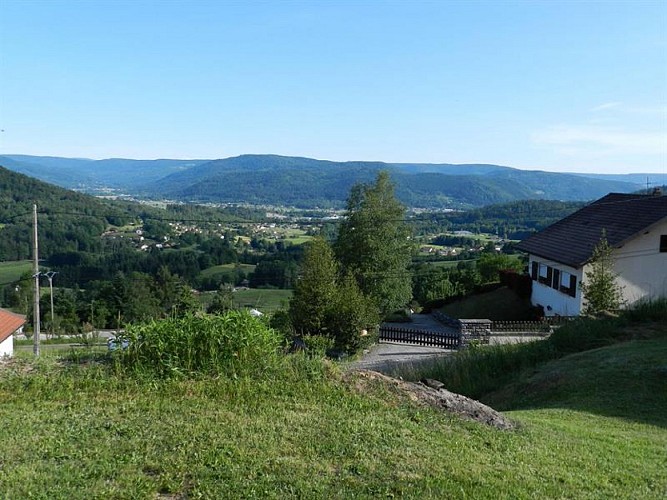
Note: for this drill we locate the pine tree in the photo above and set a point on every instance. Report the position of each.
(315, 289)
(600, 290)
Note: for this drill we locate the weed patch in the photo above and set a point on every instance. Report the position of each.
(235, 344)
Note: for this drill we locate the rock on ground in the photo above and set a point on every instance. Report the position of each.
(465, 407)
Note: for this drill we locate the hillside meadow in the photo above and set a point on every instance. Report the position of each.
(591, 425)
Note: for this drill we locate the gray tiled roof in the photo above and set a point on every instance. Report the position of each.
(571, 240)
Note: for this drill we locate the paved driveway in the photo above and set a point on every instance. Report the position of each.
(385, 357)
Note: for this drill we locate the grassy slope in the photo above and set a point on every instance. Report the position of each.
(498, 305)
(83, 433)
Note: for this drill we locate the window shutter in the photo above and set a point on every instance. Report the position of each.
(556, 279)
(534, 270)
(573, 285)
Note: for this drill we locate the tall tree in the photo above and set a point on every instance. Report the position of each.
(374, 244)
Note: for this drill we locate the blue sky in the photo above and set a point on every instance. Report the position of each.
(563, 86)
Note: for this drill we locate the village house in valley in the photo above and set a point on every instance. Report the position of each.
(10, 324)
(635, 226)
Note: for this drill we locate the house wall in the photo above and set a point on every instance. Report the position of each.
(7, 346)
(641, 267)
(556, 302)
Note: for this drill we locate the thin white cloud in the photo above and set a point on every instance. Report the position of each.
(625, 108)
(607, 105)
(601, 141)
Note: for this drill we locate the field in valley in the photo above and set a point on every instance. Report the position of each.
(12, 270)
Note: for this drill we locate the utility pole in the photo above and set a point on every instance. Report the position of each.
(50, 276)
(35, 254)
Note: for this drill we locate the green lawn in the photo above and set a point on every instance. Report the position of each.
(82, 432)
(12, 270)
(591, 425)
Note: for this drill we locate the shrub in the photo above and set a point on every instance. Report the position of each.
(233, 344)
(318, 344)
(402, 316)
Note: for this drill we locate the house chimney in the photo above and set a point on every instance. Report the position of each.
(657, 191)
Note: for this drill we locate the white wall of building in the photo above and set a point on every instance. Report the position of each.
(641, 267)
(554, 301)
(7, 346)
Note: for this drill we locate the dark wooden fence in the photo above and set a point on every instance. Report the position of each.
(416, 336)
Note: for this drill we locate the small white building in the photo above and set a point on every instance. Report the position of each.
(635, 226)
(10, 324)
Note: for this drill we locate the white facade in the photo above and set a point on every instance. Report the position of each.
(554, 301)
(7, 347)
(640, 265)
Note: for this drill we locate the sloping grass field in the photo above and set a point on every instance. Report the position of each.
(227, 269)
(12, 270)
(264, 299)
(498, 305)
(593, 424)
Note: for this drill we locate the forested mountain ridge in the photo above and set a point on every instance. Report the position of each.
(307, 182)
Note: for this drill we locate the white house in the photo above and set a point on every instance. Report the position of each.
(10, 324)
(635, 226)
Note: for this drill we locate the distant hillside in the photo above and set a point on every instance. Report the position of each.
(59, 230)
(640, 179)
(84, 173)
(61, 176)
(306, 182)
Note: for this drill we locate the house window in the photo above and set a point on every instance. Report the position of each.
(555, 281)
(568, 284)
(545, 275)
(663, 243)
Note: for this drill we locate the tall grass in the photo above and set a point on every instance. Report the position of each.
(235, 344)
(480, 370)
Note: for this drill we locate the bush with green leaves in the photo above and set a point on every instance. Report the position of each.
(233, 344)
(329, 304)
